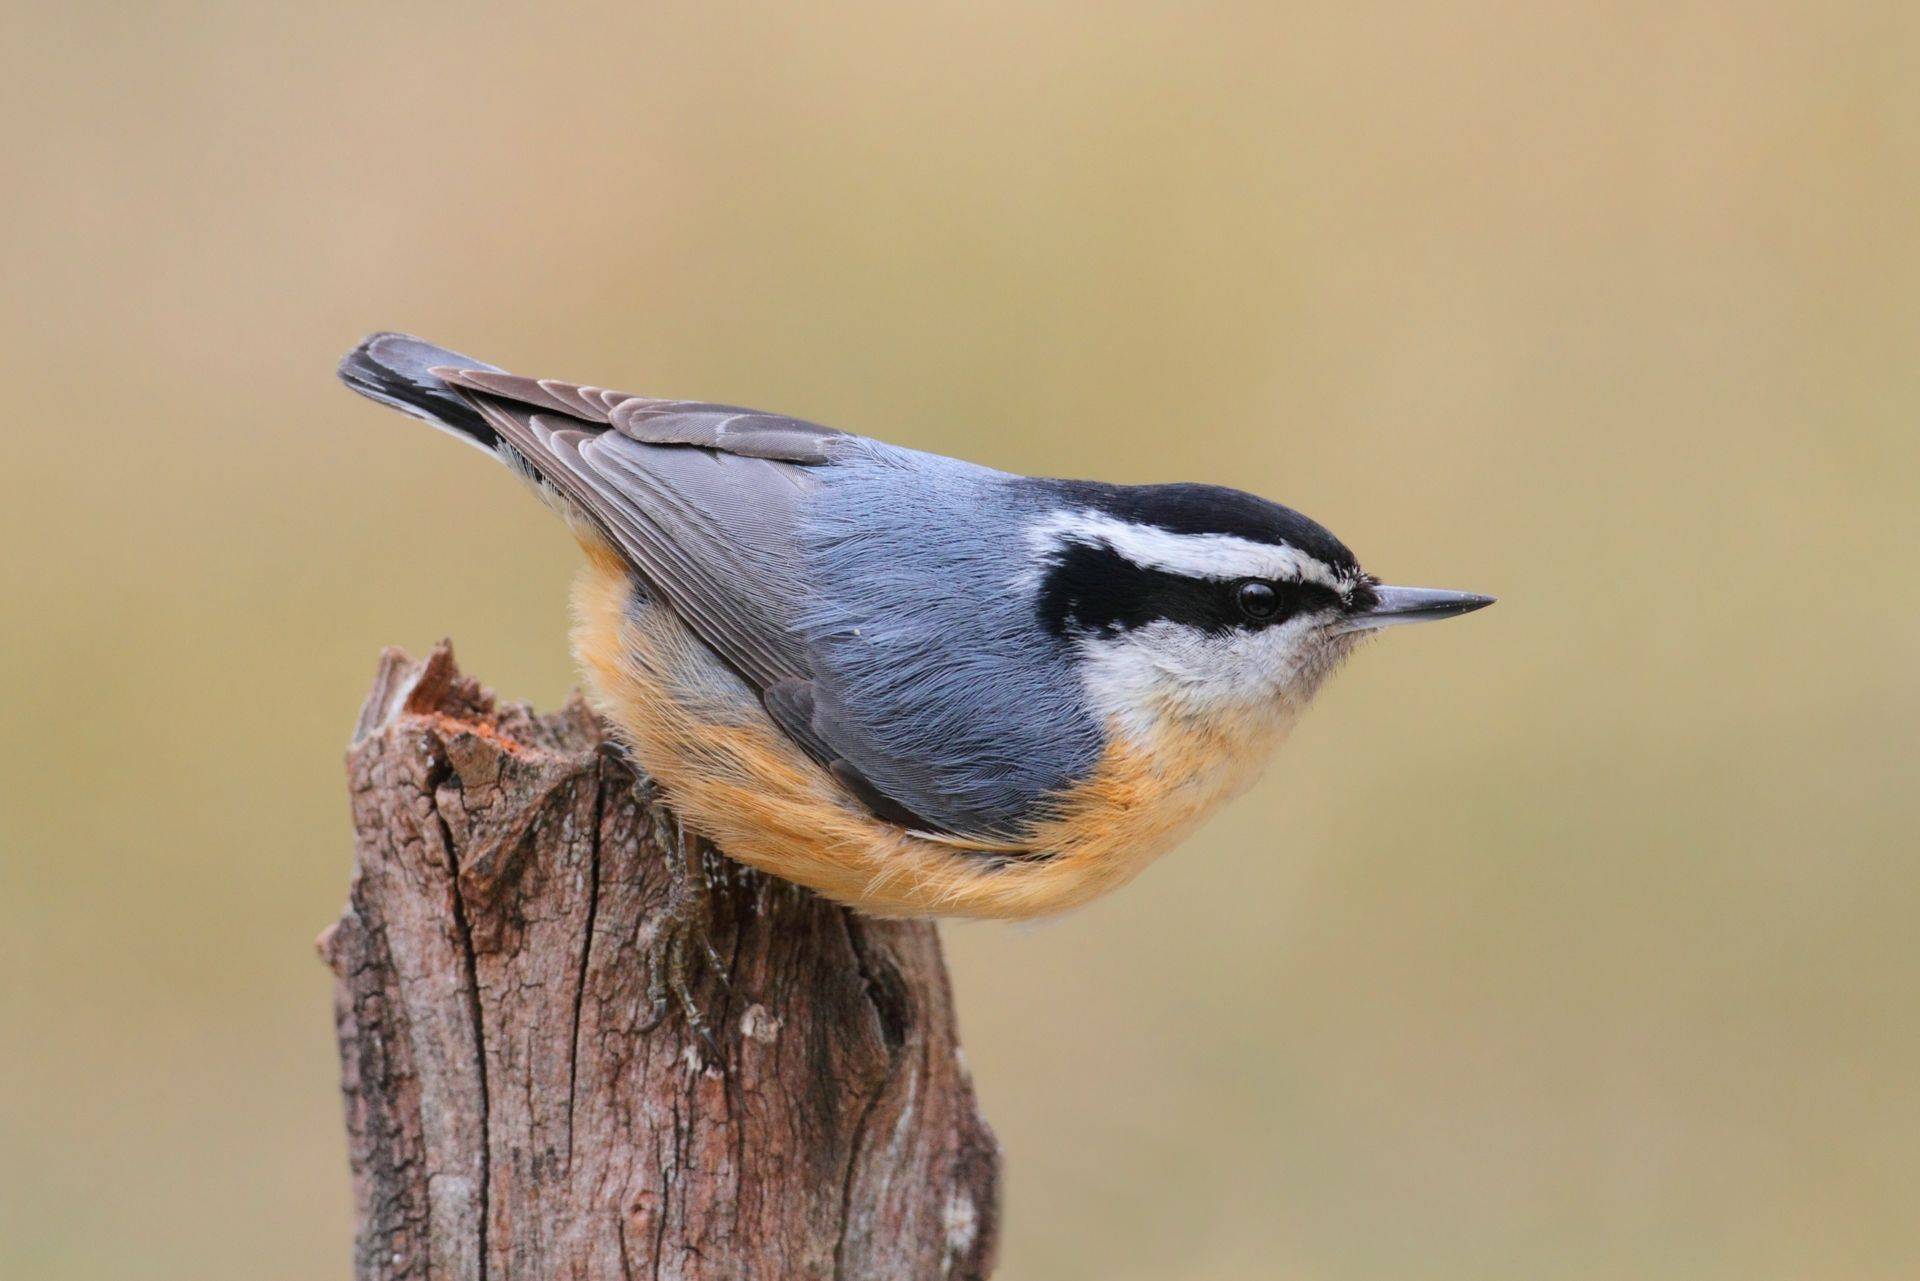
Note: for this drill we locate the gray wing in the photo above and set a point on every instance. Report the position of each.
(707, 502)
(747, 433)
(703, 499)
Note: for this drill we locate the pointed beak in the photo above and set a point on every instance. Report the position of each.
(1396, 605)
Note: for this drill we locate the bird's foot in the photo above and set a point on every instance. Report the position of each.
(683, 940)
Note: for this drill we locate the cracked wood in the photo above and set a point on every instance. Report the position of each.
(507, 1117)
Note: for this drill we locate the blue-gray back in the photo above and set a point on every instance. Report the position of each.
(874, 597)
(931, 668)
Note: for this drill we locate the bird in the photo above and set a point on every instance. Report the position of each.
(916, 685)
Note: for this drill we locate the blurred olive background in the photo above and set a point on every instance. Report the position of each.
(1570, 941)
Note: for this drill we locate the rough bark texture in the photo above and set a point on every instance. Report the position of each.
(507, 1115)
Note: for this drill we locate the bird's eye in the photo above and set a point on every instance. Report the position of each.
(1257, 600)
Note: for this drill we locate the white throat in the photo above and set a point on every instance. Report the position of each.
(1148, 676)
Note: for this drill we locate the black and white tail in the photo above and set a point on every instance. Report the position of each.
(397, 370)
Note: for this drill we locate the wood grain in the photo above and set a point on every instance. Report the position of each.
(508, 1116)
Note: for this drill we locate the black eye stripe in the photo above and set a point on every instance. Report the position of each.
(1091, 589)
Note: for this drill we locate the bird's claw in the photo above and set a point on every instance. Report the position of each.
(683, 939)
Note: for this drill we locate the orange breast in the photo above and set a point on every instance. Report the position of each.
(700, 731)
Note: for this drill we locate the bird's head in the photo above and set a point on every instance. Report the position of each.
(1199, 601)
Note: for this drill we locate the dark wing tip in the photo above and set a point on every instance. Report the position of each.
(399, 370)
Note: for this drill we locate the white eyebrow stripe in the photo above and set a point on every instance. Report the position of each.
(1214, 556)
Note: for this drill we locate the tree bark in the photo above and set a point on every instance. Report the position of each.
(509, 1115)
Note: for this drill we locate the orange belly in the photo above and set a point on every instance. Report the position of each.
(731, 774)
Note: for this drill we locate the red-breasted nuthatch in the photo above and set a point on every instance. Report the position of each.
(914, 684)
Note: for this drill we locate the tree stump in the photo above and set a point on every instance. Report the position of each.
(509, 1115)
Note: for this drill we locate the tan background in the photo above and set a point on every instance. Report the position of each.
(1570, 941)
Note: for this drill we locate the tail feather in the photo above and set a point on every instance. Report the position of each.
(396, 370)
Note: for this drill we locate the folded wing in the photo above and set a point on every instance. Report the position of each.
(708, 503)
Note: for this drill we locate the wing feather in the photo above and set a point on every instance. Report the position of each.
(747, 433)
(707, 503)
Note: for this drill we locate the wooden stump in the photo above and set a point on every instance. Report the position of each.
(508, 1116)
